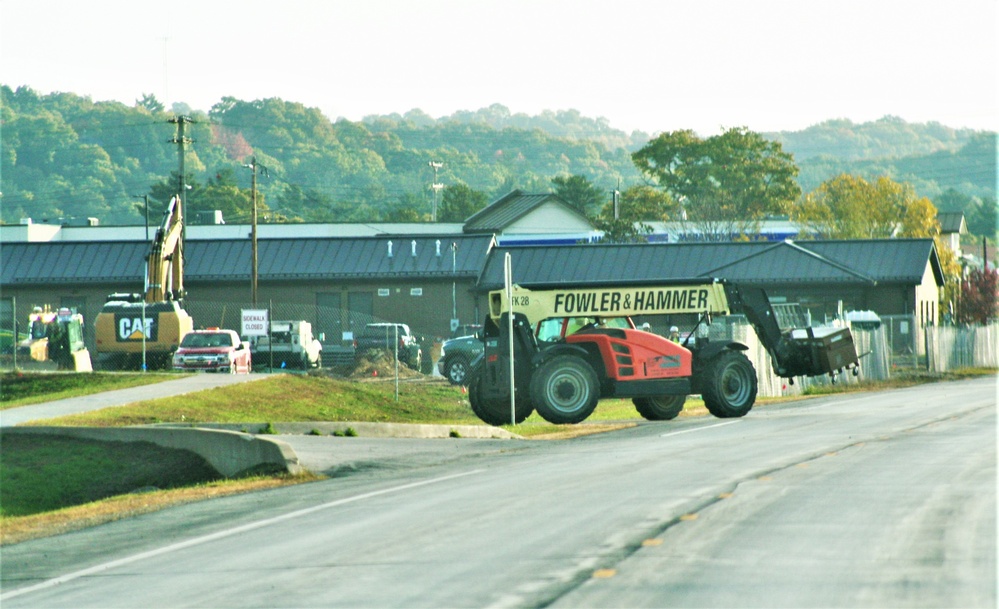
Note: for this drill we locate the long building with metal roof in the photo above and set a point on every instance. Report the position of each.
(896, 276)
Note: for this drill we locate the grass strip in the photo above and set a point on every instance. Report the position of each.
(15, 529)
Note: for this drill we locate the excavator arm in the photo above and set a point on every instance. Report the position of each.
(165, 262)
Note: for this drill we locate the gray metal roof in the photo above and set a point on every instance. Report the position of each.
(866, 262)
(229, 260)
(952, 222)
(509, 208)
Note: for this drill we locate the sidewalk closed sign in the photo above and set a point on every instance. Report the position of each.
(254, 322)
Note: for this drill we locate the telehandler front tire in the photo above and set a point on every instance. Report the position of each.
(565, 390)
(730, 387)
(660, 408)
(492, 411)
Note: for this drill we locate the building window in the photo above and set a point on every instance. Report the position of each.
(383, 291)
(416, 291)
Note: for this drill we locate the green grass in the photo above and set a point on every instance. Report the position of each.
(23, 389)
(294, 398)
(43, 473)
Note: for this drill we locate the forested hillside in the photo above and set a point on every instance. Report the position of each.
(64, 155)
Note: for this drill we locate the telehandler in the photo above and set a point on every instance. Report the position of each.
(572, 347)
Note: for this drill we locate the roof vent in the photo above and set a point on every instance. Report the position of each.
(414, 248)
(389, 249)
(438, 242)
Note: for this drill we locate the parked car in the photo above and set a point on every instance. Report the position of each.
(466, 330)
(457, 353)
(382, 336)
(213, 350)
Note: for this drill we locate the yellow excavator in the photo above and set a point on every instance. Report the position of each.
(141, 331)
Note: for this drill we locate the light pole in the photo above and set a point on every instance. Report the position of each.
(145, 198)
(436, 187)
(454, 267)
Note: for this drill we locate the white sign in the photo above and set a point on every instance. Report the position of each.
(254, 322)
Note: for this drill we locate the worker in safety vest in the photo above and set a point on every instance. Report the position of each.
(674, 334)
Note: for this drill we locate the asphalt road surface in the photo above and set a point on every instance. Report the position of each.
(864, 500)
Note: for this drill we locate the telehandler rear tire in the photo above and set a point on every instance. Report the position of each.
(493, 411)
(565, 390)
(660, 408)
(730, 386)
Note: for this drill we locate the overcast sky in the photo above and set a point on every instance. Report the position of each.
(643, 64)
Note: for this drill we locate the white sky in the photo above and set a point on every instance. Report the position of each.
(643, 64)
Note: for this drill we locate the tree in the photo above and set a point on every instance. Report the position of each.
(983, 219)
(622, 231)
(642, 203)
(405, 214)
(850, 207)
(578, 192)
(149, 102)
(726, 184)
(459, 202)
(636, 206)
(979, 297)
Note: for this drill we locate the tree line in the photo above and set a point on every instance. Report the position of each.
(66, 156)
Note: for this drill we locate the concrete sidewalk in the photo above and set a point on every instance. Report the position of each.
(121, 397)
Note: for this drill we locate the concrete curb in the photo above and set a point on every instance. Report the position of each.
(231, 453)
(363, 429)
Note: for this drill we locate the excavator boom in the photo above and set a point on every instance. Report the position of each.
(165, 262)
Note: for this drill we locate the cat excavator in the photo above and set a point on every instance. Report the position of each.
(143, 330)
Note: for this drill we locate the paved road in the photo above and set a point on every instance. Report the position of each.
(120, 397)
(863, 500)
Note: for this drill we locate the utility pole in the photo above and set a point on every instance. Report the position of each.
(252, 166)
(436, 187)
(182, 141)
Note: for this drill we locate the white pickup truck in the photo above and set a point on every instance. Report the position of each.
(289, 345)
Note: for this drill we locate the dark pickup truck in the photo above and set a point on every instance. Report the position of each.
(382, 337)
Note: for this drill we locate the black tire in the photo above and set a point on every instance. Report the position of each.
(730, 385)
(495, 412)
(456, 371)
(565, 390)
(660, 408)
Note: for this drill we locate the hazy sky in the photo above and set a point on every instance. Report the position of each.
(643, 64)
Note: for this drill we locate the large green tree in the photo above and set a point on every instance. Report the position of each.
(460, 201)
(850, 207)
(726, 184)
(579, 192)
(636, 206)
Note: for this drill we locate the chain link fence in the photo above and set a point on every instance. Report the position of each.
(334, 327)
(897, 345)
